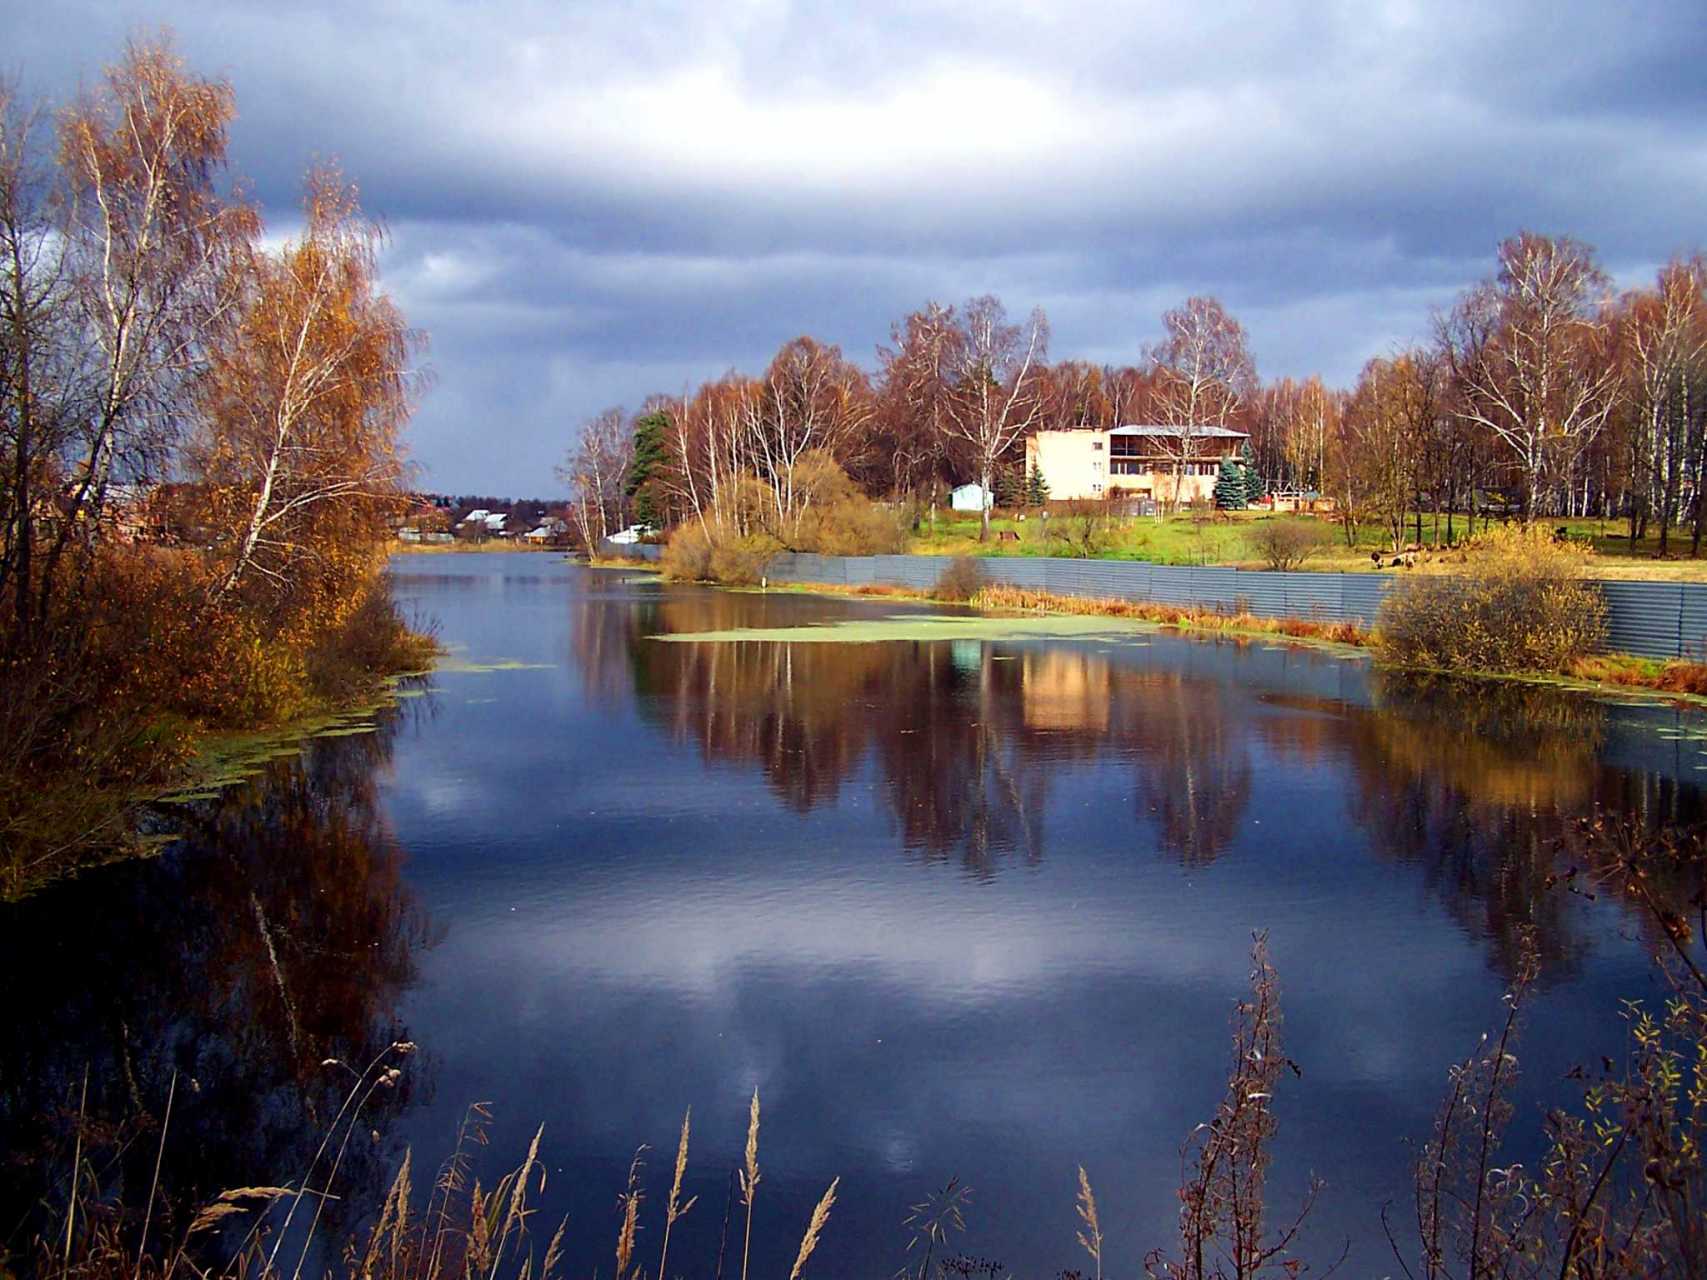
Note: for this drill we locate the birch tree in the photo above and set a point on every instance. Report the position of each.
(996, 397)
(1389, 418)
(305, 404)
(1663, 332)
(814, 400)
(916, 393)
(37, 333)
(1205, 375)
(155, 253)
(596, 473)
(1528, 354)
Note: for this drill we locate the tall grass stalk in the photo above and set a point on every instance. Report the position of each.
(361, 1089)
(76, 1167)
(814, 1228)
(393, 1226)
(452, 1178)
(515, 1215)
(629, 1202)
(674, 1209)
(154, 1184)
(750, 1177)
(1090, 1237)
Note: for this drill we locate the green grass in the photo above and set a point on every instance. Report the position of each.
(1179, 540)
(1224, 539)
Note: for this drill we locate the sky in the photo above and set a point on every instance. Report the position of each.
(592, 202)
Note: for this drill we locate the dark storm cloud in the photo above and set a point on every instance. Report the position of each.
(594, 202)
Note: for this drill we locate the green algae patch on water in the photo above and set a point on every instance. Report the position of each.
(225, 759)
(471, 667)
(928, 627)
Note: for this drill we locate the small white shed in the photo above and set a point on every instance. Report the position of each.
(970, 497)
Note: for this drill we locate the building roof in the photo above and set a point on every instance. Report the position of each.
(1159, 429)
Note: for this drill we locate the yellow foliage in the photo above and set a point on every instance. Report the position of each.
(1516, 602)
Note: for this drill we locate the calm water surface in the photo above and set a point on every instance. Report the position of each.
(956, 908)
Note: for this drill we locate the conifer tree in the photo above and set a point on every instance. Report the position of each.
(651, 451)
(1230, 486)
(1255, 489)
(1036, 487)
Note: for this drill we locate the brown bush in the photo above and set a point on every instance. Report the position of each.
(741, 562)
(1085, 528)
(1286, 544)
(960, 580)
(851, 526)
(1518, 603)
(687, 555)
(717, 553)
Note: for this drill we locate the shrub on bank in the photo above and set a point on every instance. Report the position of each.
(687, 555)
(108, 704)
(852, 526)
(1287, 544)
(1514, 601)
(960, 580)
(708, 552)
(827, 515)
(741, 561)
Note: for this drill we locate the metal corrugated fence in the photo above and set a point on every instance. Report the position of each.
(631, 550)
(1651, 619)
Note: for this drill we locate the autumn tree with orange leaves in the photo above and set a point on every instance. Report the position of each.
(303, 409)
(199, 453)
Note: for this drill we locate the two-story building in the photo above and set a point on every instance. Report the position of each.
(1138, 461)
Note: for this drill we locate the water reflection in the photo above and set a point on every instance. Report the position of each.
(1476, 785)
(959, 907)
(279, 933)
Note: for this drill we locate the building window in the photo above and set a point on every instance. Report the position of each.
(1096, 446)
(1097, 490)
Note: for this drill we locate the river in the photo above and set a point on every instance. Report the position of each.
(958, 904)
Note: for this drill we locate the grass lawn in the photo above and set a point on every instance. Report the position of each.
(1225, 540)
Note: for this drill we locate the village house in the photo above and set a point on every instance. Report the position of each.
(1141, 461)
(486, 522)
(969, 497)
(548, 531)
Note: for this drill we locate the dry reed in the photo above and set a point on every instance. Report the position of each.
(814, 1228)
(629, 1203)
(750, 1176)
(1090, 1237)
(1002, 596)
(673, 1208)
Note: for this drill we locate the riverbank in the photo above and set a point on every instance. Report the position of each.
(85, 813)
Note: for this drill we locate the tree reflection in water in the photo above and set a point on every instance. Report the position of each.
(277, 934)
(1475, 784)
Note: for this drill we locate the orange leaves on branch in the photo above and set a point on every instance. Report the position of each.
(304, 407)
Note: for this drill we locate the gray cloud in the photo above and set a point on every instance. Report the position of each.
(595, 202)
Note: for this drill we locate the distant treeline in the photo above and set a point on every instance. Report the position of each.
(1541, 391)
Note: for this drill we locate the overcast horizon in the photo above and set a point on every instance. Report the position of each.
(592, 203)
